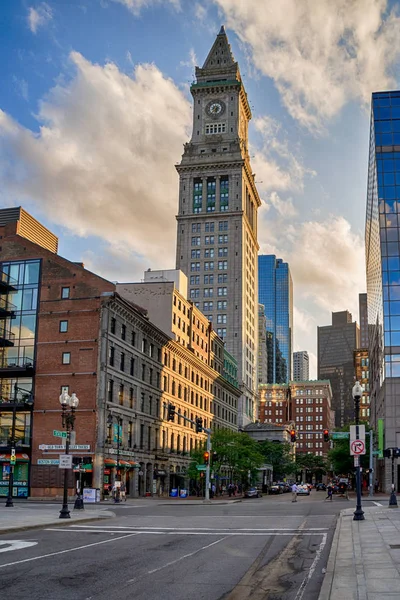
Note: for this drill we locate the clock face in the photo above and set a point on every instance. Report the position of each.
(215, 108)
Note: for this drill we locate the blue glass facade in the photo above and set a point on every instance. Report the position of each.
(275, 292)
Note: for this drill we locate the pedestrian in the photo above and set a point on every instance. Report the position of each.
(213, 490)
(230, 486)
(330, 493)
(294, 492)
(122, 490)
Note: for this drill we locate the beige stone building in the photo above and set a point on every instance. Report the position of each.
(217, 218)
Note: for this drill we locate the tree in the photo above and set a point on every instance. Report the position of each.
(339, 456)
(278, 455)
(310, 462)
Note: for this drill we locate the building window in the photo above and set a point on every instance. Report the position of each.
(132, 367)
(196, 227)
(63, 326)
(65, 293)
(195, 280)
(144, 346)
(223, 278)
(110, 390)
(122, 362)
(224, 193)
(222, 304)
(121, 394)
(208, 279)
(209, 253)
(66, 358)
(208, 292)
(208, 306)
(133, 338)
(195, 254)
(113, 325)
(123, 332)
(223, 226)
(223, 239)
(195, 266)
(222, 291)
(209, 266)
(209, 240)
(214, 128)
(131, 397)
(222, 252)
(221, 318)
(209, 227)
(221, 332)
(197, 195)
(211, 185)
(111, 356)
(196, 241)
(194, 293)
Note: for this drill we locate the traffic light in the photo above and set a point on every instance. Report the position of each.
(214, 457)
(396, 452)
(326, 435)
(293, 436)
(171, 412)
(199, 424)
(206, 458)
(387, 453)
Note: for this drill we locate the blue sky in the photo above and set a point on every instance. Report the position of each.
(95, 108)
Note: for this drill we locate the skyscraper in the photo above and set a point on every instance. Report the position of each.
(336, 345)
(363, 316)
(217, 218)
(301, 366)
(276, 294)
(383, 272)
(262, 346)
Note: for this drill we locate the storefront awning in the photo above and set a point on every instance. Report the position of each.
(134, 464)
(20, 457)
(110, 462)
(124, 463)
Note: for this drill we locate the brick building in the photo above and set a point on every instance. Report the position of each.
(65, 329)
(306, 405)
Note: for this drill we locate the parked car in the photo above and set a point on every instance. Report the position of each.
(320, 487)
(252, 493)
(275, 489)
(303, 490)
(285, 487)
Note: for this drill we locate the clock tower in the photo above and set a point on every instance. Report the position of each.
(217, 219)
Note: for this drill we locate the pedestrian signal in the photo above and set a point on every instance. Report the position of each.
(326, 435)
(206, 457)
(293, 436)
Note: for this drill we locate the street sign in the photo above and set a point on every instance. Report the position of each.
(356, 461)
(357, 447)
(65, 461)
(201, 467)
(376, 452)
(62, 434)
(340, 435)
(353, 433)
(48, 461)
(62, 447)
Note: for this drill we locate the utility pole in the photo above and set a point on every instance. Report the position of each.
(371, 464)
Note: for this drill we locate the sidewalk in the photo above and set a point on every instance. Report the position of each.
(19, 518)
(364, 561)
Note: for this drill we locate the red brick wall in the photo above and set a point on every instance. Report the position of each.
(81, 311)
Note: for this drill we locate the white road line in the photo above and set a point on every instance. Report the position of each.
(25, 560)
(310, 573)
(173, 562)
(139, 527)
(216, 532)
(377, 503)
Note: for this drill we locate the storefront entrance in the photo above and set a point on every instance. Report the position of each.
(21, 475)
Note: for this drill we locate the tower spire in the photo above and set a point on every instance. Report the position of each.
(220, 56)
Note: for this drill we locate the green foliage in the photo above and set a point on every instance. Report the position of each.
(310, 462)
(278, 455)
(236, 452)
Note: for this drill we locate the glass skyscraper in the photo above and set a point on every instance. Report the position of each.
(276, 294)
(382, 247)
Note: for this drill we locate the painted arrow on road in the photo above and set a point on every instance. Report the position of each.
(15, 545)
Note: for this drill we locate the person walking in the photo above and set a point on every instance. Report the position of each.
(294, 492)
(330, 493)
(122, 490)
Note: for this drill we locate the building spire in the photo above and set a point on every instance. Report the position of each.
(220, 56)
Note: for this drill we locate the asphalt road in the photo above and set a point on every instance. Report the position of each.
(259, 548)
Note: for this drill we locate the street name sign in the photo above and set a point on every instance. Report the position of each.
(65, 461)
(340, 435)
(62, 434)
(201, 467)
(357, 447)
(48, 461)
(62, 447)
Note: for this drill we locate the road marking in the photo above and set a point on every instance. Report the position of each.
(139, 527)
(188, 532)
(25, 560)
(310, 573)
(377, 503)
(15, 545)
(173, 562)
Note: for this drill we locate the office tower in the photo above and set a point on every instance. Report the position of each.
(336, 345)
(301, 366)
(276, 294)
(217, 217)
(262, 346)
(363, 317)
(383, 267)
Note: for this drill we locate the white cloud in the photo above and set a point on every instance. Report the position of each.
(192, 61)
(319, 54)
(275, 164)
(103, 161)
(22, 88)
(200, 12)
(135, 6)
(284, 208)
(39, 16)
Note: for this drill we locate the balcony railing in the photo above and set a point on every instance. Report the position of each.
(6, 305)
(11, 362)
(7, 337)
(7, 282)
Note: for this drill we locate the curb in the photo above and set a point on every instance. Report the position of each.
(111, 515)
(326, 588)
(199, 503)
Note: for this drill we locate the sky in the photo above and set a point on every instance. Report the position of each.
(95, 107)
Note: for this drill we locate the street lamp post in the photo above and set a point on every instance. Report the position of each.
(68, 422)
(393, 498)
(110, 421)
(357, 394)
(79, 498)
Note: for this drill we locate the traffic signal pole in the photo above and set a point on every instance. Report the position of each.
(207, 499)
